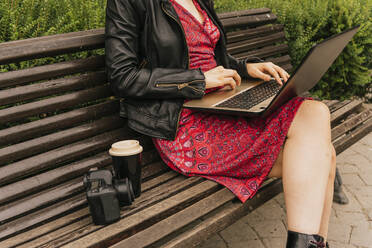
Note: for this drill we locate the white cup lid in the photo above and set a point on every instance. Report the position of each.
(125, 148)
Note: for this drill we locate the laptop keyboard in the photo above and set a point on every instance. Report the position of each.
(252, 97)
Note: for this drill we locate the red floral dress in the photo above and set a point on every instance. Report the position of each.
(234, 151)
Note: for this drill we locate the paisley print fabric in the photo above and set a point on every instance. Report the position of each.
(234, 151)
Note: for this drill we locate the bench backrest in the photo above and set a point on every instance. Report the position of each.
(58, 120)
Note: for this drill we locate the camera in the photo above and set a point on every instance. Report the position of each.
(105, 194)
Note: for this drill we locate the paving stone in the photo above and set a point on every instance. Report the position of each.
(352, 179)
(364, 190)
(339, 232)
(345, 155)
(366, 177)
(352, 206)
(347, 168)
(361, 236)
(358, 159)
(365, 201)
(365, 151)
(280, 200)
(247, 244)
(334, 244)
(238, 232)
(271, 229)
(213, 242)
(351, 218)
(369, 213)
(266, 226)
(253, 217)
(333, 217)
(366, 140)
(275, 242)
(272, 211)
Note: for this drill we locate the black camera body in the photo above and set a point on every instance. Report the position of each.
(105, 194)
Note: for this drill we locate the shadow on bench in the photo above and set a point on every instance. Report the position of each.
(59, 120)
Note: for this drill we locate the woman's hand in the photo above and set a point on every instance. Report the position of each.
(267, 70)
(219, 76)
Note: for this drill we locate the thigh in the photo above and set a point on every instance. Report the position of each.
(276, 170)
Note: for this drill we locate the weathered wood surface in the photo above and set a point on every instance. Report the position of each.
(42, 203)
(57, 86)
(19, 112)
(221, 218)
(65, 120)
(14, 78)
(40, 47)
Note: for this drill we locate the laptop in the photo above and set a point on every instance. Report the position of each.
(260, 98)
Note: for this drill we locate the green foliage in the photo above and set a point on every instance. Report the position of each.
(306, 23)
(349, 75)
(22, 19)
(309, 21)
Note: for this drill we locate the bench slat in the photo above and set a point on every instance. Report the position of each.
(50, 159)
(351, 123)
(169, 184)
(243, 13)
(349, 139)
(338, 104)
(224, 217)
(250, 44)
(57, 209)
(64, 190)
(50, 187)
(13, 78)
(57, 139)
(70, 218)
(240, 35)
(283, 60)
(345, 110)
(177, 221)
(52, 104)
(57, 86)
(43, 126)
(52, 177)
(64, 173)
(249, 20)
(40, 47)
(147, 217)
(82, 224)
(265, 52)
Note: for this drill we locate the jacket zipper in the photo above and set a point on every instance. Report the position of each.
(179, 86)
(187, 54)
(183, 32)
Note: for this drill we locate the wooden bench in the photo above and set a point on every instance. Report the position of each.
(59, 120)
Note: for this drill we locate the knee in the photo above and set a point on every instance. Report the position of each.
(313, 117)
(316, 110)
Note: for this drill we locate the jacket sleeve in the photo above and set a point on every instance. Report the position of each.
(125, 71)
(240, 65)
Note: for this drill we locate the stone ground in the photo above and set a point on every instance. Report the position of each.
(350, 225)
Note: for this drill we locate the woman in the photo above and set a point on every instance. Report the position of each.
(160, 53)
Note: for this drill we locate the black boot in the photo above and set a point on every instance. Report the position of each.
(302, 240)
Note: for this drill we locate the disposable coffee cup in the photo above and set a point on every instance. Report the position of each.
(126, 158)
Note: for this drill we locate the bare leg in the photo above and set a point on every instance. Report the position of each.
(323, 231)
(306, 168)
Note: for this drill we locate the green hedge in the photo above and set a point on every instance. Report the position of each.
(306, 22)
(309, 21)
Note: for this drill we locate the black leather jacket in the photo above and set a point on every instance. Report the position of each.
(147, 63)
